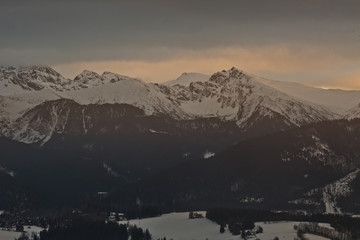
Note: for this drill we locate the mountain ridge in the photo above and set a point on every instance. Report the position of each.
(251, 133)
(231, 95)
(314, 168)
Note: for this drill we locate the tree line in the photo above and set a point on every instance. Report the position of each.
(90, 230)
(342, 223)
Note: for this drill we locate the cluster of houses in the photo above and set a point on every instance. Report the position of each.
(115, 217)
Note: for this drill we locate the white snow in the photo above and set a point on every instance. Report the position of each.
(228, 95)
(10, 235)
(282, 230)
(234, 95)
(13, 106)
(353, 112)
(314, 237)
(336, 99)
(208, 107)
(129, 91)
(155, 131)
(186, 78)
(208, 154)
(178, 226)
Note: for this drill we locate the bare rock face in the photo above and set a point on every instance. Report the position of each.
(32, 78)
(234, 95)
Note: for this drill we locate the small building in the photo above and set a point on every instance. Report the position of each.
(114, 217)
(121, 217)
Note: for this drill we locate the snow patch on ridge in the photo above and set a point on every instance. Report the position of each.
(330, 193)
(208, 154)
(154, 131)
(186, 78)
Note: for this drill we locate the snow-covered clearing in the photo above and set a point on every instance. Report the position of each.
(178, 226)
(315, 237)
(10, 235)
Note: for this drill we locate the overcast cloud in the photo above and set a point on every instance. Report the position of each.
(120, 35)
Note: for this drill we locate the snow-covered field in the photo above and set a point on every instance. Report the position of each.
(178, 226)
(9, 235)
(315, 237)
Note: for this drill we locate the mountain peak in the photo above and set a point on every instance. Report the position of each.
(86, 76)
(234, 69)
(30, 78)
(86, 71)
(228, 75)
(186, 78)
(110, 77)
(31, 69)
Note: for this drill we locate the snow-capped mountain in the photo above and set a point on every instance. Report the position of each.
(353, 112)
(23, 88)
(214, 126)
(186, 78)
(336, 99)
(87, 79)
(118, 89)
(14, 80)
(254, 103)
(234, 95)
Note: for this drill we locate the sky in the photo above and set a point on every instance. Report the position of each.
(314, 42)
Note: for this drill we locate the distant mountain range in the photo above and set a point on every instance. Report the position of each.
(231, 95)
(107, 131)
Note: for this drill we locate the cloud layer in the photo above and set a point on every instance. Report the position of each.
(308, 41)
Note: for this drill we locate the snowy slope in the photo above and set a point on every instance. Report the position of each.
(119, 89)
(336, 99)
(13, 106)
(234, 95)
(23, 88)
(186, 78)
(178, 226)
(86, 79)
(231, 95)
(11, 235)
(353, 112)
(15, 80)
